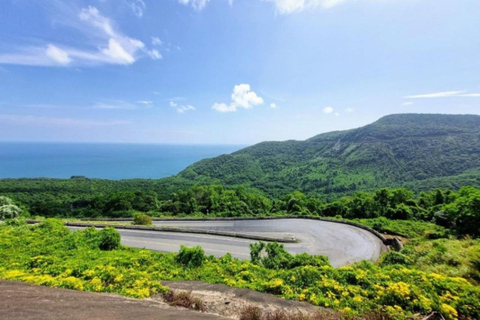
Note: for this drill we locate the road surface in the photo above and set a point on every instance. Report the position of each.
(342, 244)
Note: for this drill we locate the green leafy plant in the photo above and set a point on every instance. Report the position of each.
(109, 239)
(191, 257)
(142, 219)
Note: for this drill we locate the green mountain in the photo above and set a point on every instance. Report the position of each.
(418, 151)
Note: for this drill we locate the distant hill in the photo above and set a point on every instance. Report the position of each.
(419, 151)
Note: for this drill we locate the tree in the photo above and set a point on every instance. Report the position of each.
(9, 211)
(5, 201)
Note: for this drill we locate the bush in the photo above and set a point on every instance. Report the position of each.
(395, 257)
(16, 222)
(190, 257)
(304, 259)
(251, 313)
(9, 211)
(142, 220)
(5, 201)
(109, 239)
(53, 226)
(184, 299)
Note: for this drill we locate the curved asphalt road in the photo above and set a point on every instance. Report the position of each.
(342, 244)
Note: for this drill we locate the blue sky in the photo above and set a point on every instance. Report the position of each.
(229, 72)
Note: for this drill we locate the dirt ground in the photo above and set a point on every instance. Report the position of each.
(30, 302)
(229, 302)
(20, 301)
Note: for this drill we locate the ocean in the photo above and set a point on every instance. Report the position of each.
(101, 160)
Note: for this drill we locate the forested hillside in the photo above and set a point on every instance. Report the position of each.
(417, 151)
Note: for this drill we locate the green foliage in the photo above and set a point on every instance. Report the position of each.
(420, 152)
(191, 257)
(109, 239)
(216, 200)
(4, 201)
(50, 254)
(273, 255)
(452, 257)
(394, 257)
(9, 211)
(142, 220)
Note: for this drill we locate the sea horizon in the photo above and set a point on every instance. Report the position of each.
(102, 160)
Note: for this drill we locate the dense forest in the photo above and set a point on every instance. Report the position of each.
(458, 211)
(416, 151)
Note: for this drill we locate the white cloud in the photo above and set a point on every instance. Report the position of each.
(121, 105)
(292, 6)
(337, 114)
(273, 105)
(145, 102)
(328, 110)
(242, 97)
(110, 45)
(138, 7)
(196, 4)
(442, 94)
(156, 41)
(118, 53)
(350, 110)
(408, 103)
(154, 54)
(181, 108)
(470, 95)
(57, 54)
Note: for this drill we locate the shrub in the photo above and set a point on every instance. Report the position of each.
(109, 239)
(304, 259)
(395, 257)
(251, 313)
(53, 226)
(184, 299)
(9, 211)
(16, 222)
(190, 257)
(5, 201)
(142, 220)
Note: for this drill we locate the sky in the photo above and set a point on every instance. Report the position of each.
(229, 71)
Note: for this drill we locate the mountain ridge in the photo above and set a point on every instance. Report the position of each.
(394, 151)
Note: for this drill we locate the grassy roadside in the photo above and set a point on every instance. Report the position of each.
(50, 254)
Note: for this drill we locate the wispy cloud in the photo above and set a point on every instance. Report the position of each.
(328, 110)
(242, 97)
(408, 103)
(441, 94)
(121, 105)
(196, 4)
(138, 7)
(281, 6)
(145, 102)
(107, 44)
(156, 41)
(444, 94)
(180, 108)
(36, 120)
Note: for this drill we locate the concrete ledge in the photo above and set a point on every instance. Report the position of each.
(179, 230)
